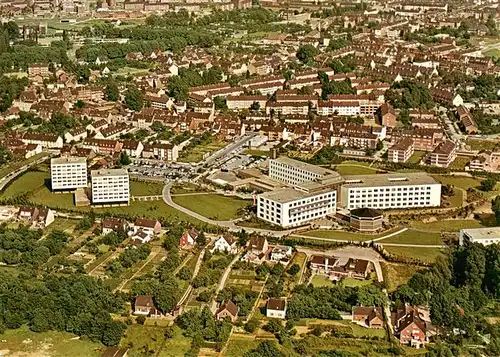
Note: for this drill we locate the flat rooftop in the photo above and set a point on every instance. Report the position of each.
(305, 166)
(289, 194)
(109, 172)
(415, 178)
(68, 160)
(482, 233)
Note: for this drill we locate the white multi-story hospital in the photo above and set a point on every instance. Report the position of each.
(315, 192)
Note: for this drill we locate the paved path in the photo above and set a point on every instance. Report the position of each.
(222, 281)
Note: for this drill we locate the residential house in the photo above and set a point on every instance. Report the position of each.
(132, 148)
(444, 154)
(281, 253)
(151, 226)
(103, 146)
(322, 264)
(141, 236)
(387, 115)
(227, 310)
(482, 162)
(166, 152)
(276, 308)
(45, 140)
(145, 306)
(37, 217)
(354, 268)
(225, 244)
(258, 245)
(109, 225)
(401, 151)
(411, 325)
(75, 135)
(468, 123)
(368, 316)
(188, 238)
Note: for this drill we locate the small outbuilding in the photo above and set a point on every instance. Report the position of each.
(366, 219)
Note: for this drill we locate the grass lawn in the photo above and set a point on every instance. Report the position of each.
(213, 206)
(63, 224)
(458, 181)
(52, 343)
(396, 275)
(460, 163)
(416, 157)
(457, 200)
(478, 144)
(348, 282)
(239, 345)
(494, 52)
(7, 169)
(414, 237)
(321, 280)
(186, 187)
(342, 235)
(33, 183)
(427, 255)
(196, 153)
(346, 169)
(140, 188)
(452, 225)
(143, 339)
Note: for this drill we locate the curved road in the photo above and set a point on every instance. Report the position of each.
(231, 225)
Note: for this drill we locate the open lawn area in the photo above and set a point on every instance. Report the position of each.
(141, 188)
(256, 152)
(343, 235)
(459, 163)
(321, 280)
(416, 157)
(143, 339)
(478, 144)
(13, 166)
(452, 225)
(397, 274)
(213, 206)
(23, 342)
(427, 255)
(131, 71)
(33, 184)
(240, 344)
(354, 168)
(186, 187)
(458, 181)
(457, 200)
(196, 153)
(414, 237)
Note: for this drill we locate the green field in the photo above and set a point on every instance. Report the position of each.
(460, 163)
(427, 255)
(416, 157)
(321, 280)
(346, 169)
(342, 235)
(34, 184)
(23, 342)
(213, 206)
(396, 275)
(141, 188)
(452, 225)
(143, 339)
(458, 181)
(478, 144)
(414, 237)
(256, 152)
(195, 154)
(239, 345)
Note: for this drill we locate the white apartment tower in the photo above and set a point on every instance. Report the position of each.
(68, 173)
(294, 172)
(110, 186)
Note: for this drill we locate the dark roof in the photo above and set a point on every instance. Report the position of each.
(276, 304)
(144, 222)
(257, 243)
(366, 212)
(445, 148)
(321, 259)
(144, 301)
(230, 307)
(370, 312)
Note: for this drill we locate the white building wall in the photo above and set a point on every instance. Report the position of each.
(110, 189)
(68, 176)
(290, 174)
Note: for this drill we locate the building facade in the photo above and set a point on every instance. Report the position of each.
(110, 186)
(68, 173)
(389, 191)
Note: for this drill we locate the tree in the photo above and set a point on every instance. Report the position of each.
(201, 240)
(220, 103)
(134, 98)
(294, 269)
(255, 106)
(124, 159)
(113, 332)
(307, 53)
(140, 319)
(112, 92)
(252, 325)
(79, 104)
(488, 184)
(265, 349)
